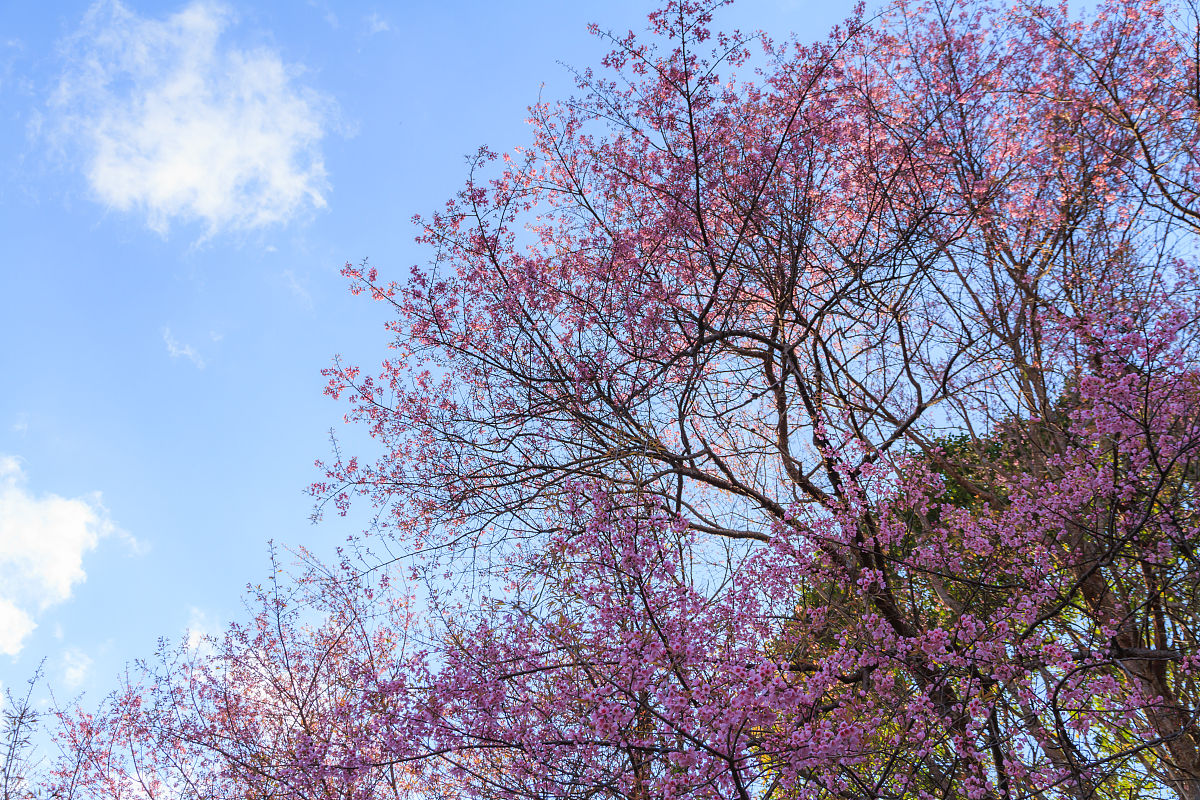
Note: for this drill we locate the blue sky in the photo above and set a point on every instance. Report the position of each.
(179, 186)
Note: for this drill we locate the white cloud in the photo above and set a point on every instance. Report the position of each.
(179, 125)
(15, 625)
(43, 539)
(201, 631)
(178, 349)
(75, 667)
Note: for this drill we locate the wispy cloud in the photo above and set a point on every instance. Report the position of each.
(323, 8)
(41, 552)
(179, 125)
(178, 349)
(298, 290)
(11, 49)
(377, 24)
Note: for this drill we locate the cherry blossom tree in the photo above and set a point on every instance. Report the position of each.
(787, 420)
(950, 246)
(287, 705)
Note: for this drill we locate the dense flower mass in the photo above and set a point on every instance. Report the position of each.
(796, 421)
